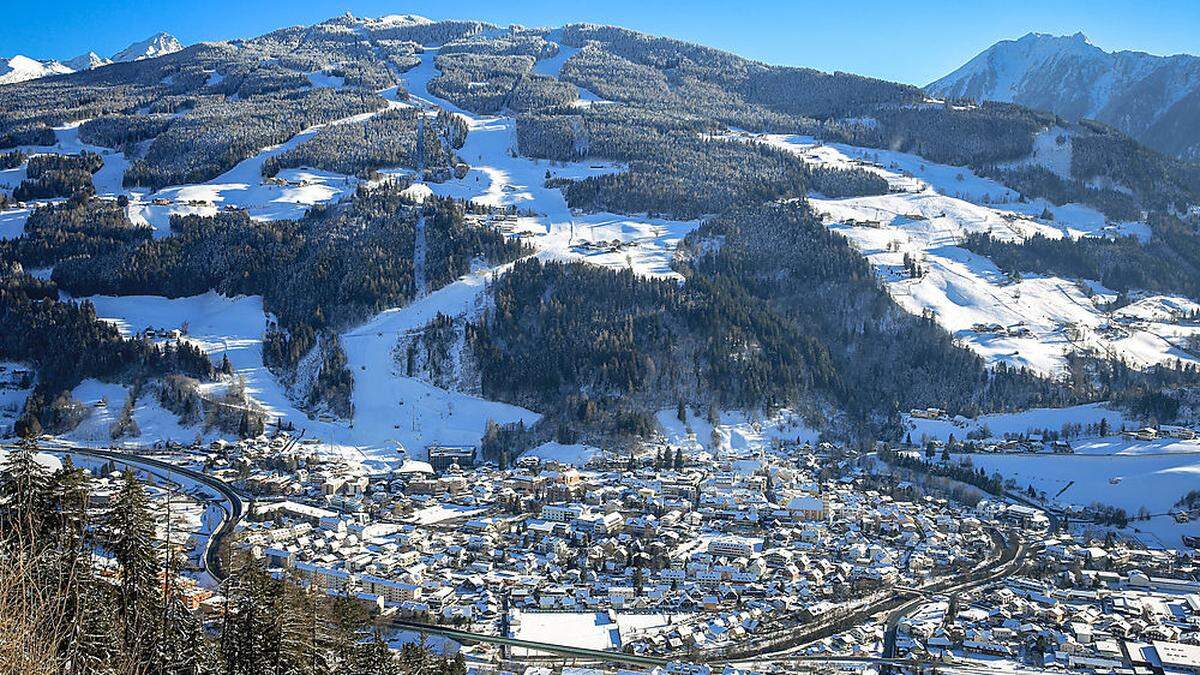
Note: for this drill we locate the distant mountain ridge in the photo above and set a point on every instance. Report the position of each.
(20, 68)
(159, 44)
(1155, 99)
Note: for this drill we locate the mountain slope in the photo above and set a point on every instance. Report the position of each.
(675, 258)
(159, 44)
(1155, 99)
(21, 68)
(86, 61)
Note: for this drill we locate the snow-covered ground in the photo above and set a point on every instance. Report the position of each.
(997, 426)
(735, 430)
(12, 222)
(576, 454)
(588, 630)
(441, 512)
(66, 142)
(499, 178)
(390, 410)
(243, 187)
(1032, 322)
(1116, 471)
(104, 402)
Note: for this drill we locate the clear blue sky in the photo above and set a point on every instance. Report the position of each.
(903, 40)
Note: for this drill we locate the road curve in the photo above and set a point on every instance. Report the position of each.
(233, 514)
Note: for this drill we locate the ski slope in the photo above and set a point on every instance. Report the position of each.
(391, 412)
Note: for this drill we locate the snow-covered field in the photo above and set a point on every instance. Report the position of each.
(1116, 471)
(576, 454)
(588, 630)
(1032, 322)
(12, 222)
(1027, 421)
(441, 512)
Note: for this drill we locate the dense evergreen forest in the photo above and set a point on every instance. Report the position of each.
(63, 613)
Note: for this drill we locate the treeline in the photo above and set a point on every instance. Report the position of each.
(66, 613)
(123, 132)
(674, 167)
(12, 159)
(1163, 184)
(678, 165)
(1037, 181)
(993, 484)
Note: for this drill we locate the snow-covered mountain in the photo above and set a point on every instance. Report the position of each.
(20, 68)
(1155, 99)
(159, 44)
(86, 61)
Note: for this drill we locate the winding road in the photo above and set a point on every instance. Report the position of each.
(233, 510)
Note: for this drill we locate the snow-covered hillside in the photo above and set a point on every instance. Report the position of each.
(932, 207)
(1033, 321)
(1153, 98)
(390, 409)
(20, 68)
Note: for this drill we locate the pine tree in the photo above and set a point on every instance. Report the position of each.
(298, 631)
(24, 493)
(128, 533)
(374, 658)
(68, 493)
(250, 639)
(347, 622)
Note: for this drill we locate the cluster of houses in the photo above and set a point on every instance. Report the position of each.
(728, 548)
(1018, 329)
(1082, 606)
(731, 543)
